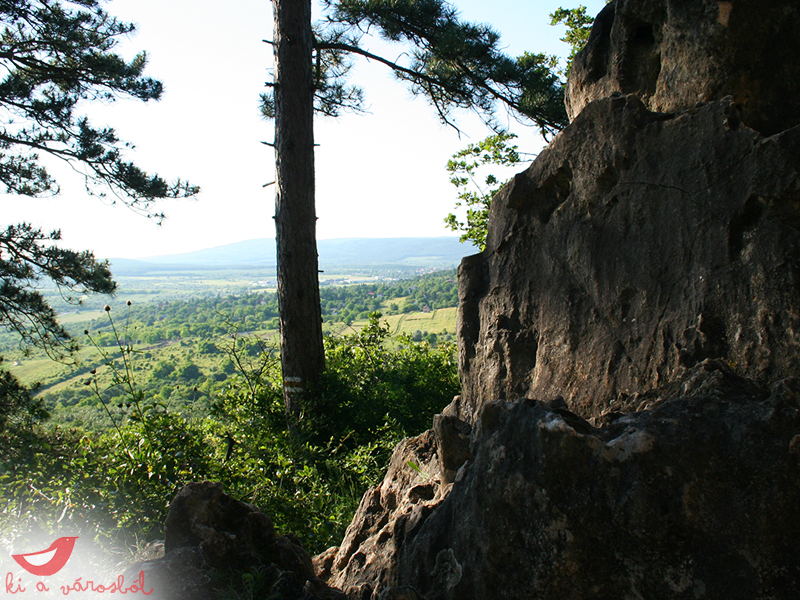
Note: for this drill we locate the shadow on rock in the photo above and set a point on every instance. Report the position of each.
(211, 539)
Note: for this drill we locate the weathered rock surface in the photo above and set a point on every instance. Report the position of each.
(676, 53)
(696, 499)
(635, 246)
(386, 515)
(211, 538)
(643, 278)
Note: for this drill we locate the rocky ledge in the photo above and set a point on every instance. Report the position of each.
(695, 498)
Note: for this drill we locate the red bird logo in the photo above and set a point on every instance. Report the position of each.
(47, 562)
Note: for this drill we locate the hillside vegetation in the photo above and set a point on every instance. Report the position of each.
(185, 350)
(202, 375)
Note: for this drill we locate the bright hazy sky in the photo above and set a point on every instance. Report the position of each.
(378, 175)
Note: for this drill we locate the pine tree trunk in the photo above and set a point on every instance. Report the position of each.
(302, 353)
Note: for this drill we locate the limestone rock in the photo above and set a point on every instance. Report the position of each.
(387, 515)
(230, 532)
(210, 537)
(694, 499)
(629, 341)
(636, 245)
(183, 573)
(676, 53)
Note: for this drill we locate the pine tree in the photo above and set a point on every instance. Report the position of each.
(453, 64)
(55, 56)
(302, 352)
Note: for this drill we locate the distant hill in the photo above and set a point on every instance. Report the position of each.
(438, 252)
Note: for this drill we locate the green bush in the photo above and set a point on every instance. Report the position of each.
(109, 486)
(117, 485)
(369, 386)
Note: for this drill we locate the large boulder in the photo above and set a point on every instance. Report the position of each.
(694, 499)
(211, 539)
(635, 246)
(676, 53)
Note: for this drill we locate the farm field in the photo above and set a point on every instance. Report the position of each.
(185, 337)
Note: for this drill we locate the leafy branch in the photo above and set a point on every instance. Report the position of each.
(454, 64)
(474, 195)
(55, 57)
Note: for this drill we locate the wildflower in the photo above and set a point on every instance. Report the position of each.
(128, 303)
(107, 308)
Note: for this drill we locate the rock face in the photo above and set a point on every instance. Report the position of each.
(636, 245)
(362, 565)
(696, 499)
(629, 341)
(676, 53)
(209, 536)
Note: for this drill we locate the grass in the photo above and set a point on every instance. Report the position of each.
(79, 317)
(437, 321)
(37, 369)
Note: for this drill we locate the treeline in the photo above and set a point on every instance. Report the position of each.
(208, 318)
(428, 292)
(183, 353)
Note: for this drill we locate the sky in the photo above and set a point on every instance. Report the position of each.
(377, 175)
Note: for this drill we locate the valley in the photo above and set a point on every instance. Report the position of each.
(182, 334)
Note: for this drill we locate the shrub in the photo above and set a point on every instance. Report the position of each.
(369, 387)
(117, 485)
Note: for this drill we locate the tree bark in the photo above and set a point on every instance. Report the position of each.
(302, 353)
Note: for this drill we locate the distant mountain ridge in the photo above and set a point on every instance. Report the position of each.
(436, 252)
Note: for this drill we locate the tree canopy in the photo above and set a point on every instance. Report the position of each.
(55, 56)
(452, 63)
